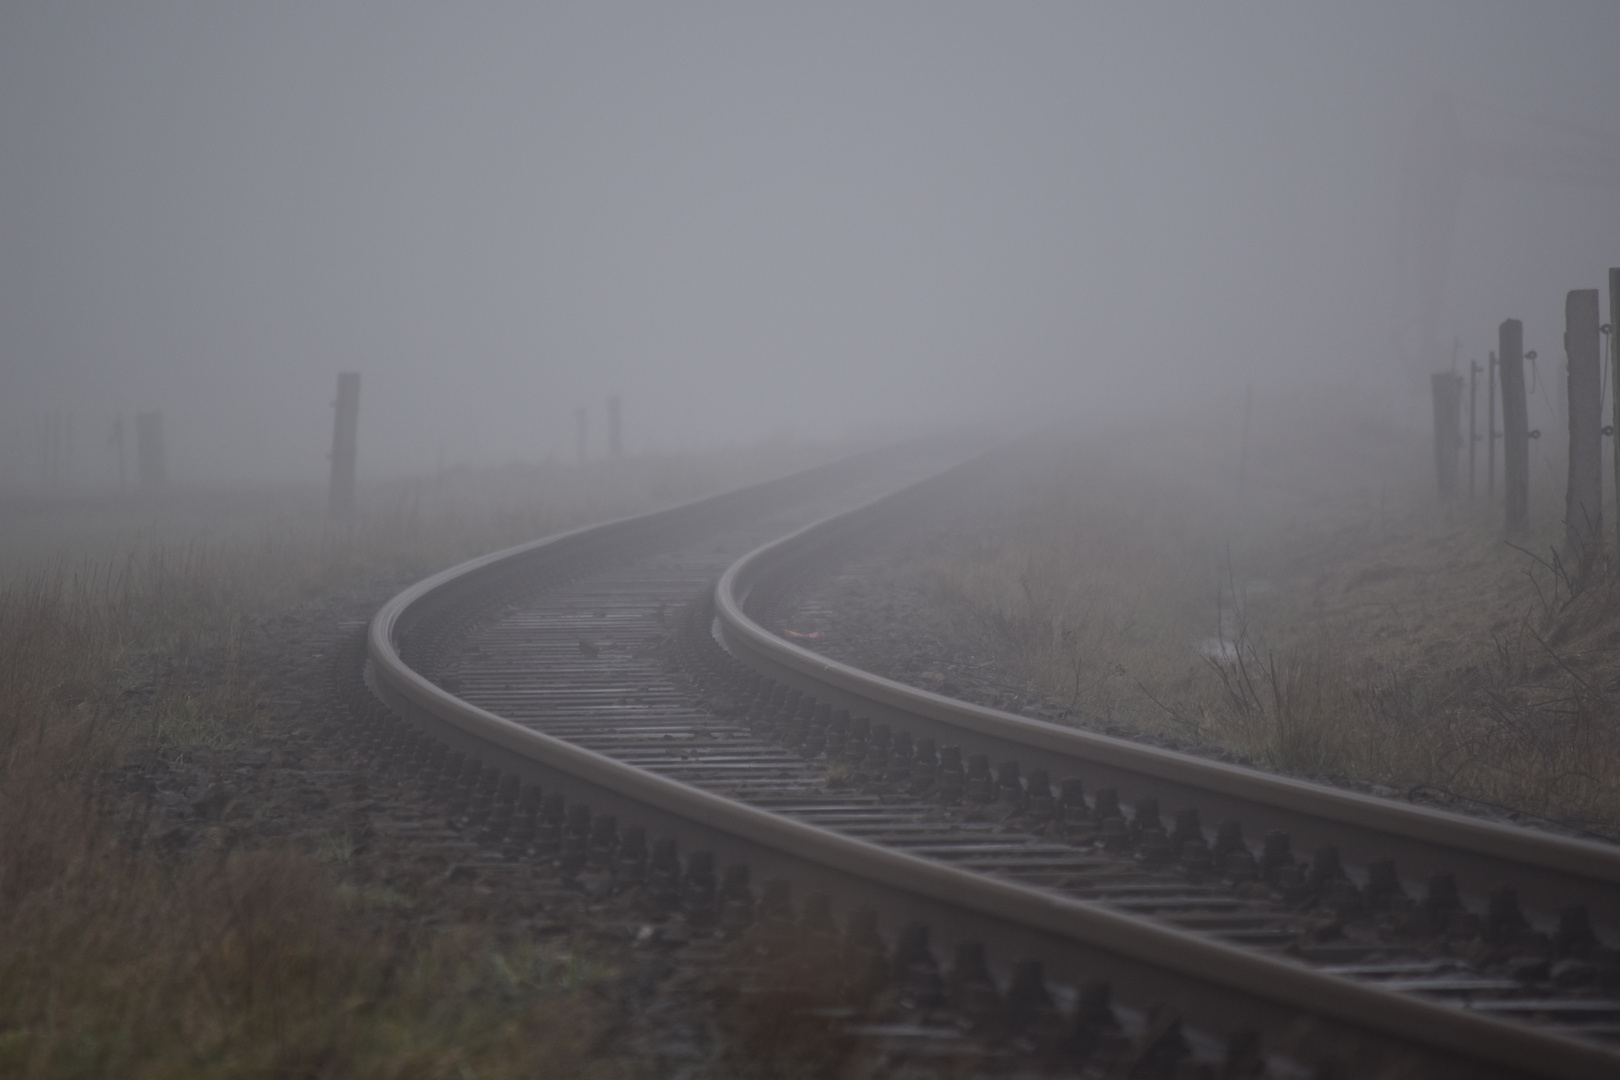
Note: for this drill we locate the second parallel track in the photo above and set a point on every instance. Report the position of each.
(574, 692)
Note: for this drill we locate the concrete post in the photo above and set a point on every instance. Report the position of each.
(345, 433)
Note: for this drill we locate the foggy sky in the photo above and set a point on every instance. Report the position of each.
(750, 219)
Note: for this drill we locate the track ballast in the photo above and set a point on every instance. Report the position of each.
(631, 742)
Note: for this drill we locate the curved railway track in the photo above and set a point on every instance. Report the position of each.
(595, 699)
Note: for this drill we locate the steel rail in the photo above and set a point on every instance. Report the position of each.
(1549, 871)
(1142, 956)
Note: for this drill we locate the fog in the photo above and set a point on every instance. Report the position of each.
(768, 221)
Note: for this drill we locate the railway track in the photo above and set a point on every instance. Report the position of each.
(595, 699)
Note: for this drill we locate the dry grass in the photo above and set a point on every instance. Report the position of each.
(115, 965)
(116, 960)
(1326, 620)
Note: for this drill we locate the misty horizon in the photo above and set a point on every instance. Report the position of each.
(752, 224)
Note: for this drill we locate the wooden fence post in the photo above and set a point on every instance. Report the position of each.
(1614, 374)
(1515, 424)
(1583, 499)
(1447, 386)
(345, 439)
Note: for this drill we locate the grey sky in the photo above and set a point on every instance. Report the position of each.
(746, 219)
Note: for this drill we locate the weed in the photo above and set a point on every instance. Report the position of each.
(372, 898)
(336, 848)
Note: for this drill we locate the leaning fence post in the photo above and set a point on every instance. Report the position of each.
(1515, 424)
(1583, 499)
(1447, 386)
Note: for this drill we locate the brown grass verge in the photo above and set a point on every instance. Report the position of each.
(113, 964)
(1318, 623)
(117, 959)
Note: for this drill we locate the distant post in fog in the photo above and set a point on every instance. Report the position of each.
(50, 450)
(581, 435)
(345, 438)
(1490, 428)
(1473, 410)
(615, 444)
(1515, 424)
(116, 441)
(1447, 386)
(151, 464)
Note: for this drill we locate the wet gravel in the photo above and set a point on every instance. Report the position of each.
(301, 778)
(685, 1000)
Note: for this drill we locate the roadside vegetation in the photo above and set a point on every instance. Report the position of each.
(119, 958)
(1311, 610)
